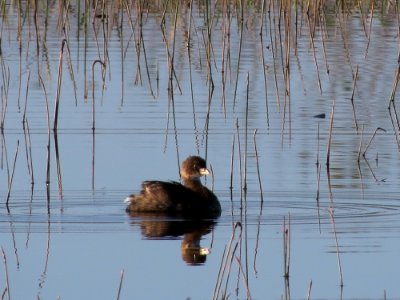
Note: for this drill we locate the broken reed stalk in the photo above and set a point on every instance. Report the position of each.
(59, 80)
(352, 98)
(93, 102)
(372, 137)
(7, 289)
(331, 213)
(328, 151)
(12, 176)
(286, 247)
(120, 283)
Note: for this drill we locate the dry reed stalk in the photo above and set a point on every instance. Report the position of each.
(328, 151)
(245, 278)
(71, 73)
(309, 290)
(93, 101)
(12, 177)
(261, 202)
(93, 156)
(232, 158)
(372, 137)
(4, 94)
(59, 80)
(48, 132)
(7, 288)
(120, 283)
(121, 32)
(58, 164)
(395, 129)
(225, 36)
(245, 135)
(263, 60)
(26, 99)
(190, 72)
(141, 39)
(355, 77)
(272, 25)
(286, 70)
(370, 28)
(324, 35)
(29, 149)
(239, 54)
(170, 57)
(208, 45)
(395, 82)
(286, 247)
(240, 164)
(226, 261)
(331, 213)
(258, 165)
(314, 52)
(361, 141)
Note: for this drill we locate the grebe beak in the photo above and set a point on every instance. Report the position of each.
(204, 171)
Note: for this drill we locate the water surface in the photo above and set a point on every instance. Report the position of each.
(74, 239)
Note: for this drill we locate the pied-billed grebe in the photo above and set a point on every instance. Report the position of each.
(191, 198)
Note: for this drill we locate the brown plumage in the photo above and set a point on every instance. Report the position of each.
(189, 198)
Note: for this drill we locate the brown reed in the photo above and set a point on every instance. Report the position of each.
(258, 165)
(286, 247)
(232, 159)
(332, 215)
(355, 76)
(328, 151)
(4, 95)
(7, 288)
(12, 177)
(120, 283)
(372, 137)
(226, 262)
(93, 101)
(58, 92)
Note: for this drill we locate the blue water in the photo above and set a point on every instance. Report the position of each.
(74, 242)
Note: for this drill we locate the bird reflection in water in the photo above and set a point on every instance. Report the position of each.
(163, 226)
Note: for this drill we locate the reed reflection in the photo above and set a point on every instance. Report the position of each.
(164, 226)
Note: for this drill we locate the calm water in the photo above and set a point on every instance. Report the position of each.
(74, 242)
